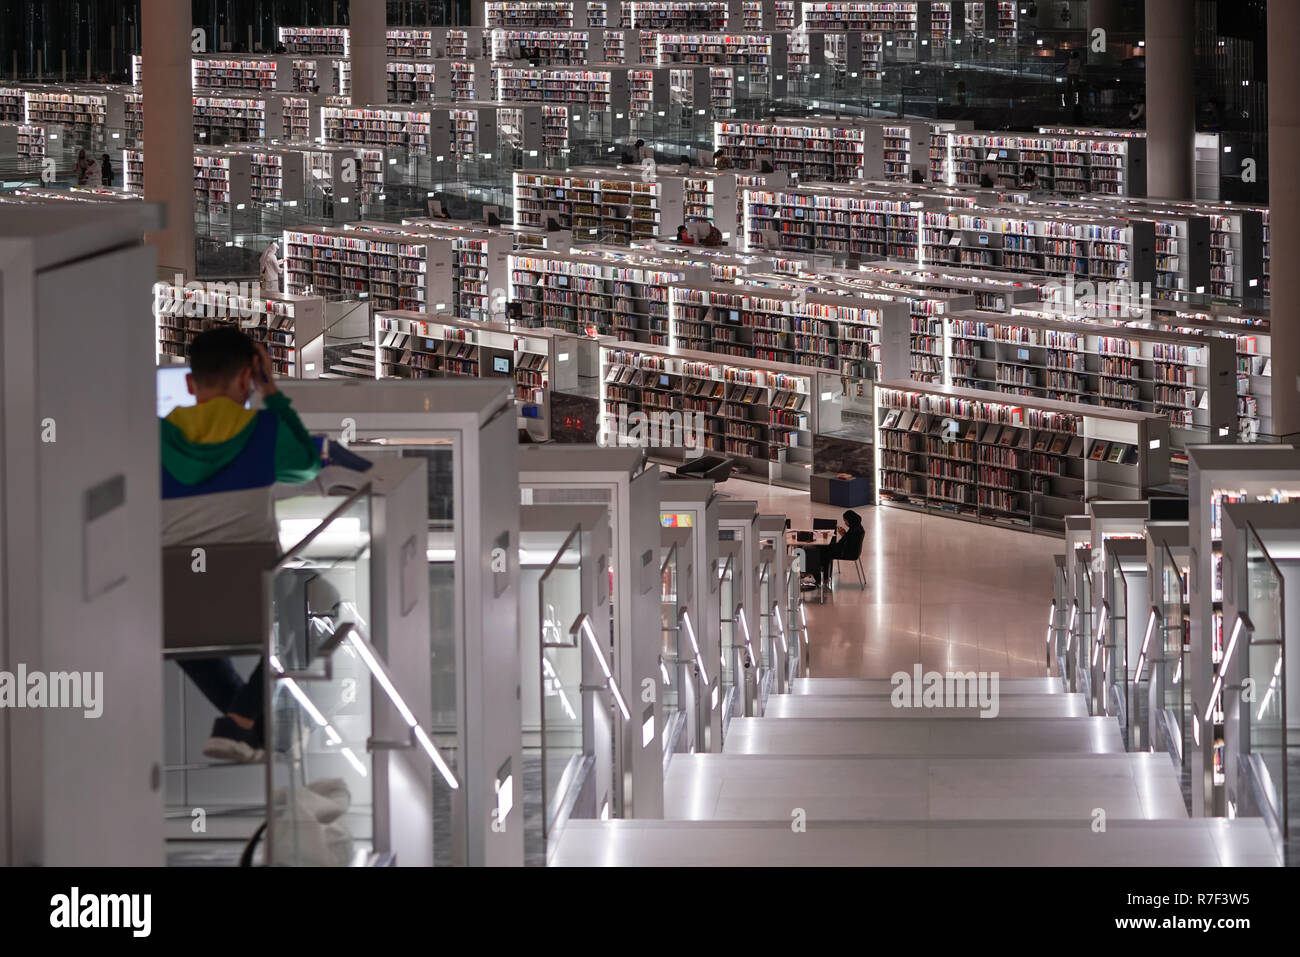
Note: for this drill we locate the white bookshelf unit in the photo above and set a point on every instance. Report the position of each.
(851, 336)
(1022, 463)
(392, 271)
(410, 44)
(219, 115)
(814, 151)
(1073, 165)
(411, 345)
(394, 127)
(1188, 379)
(573, 293)
(317, 41)
(291, 327)
(13, 104)
(25, 140)
(599, 205)
(762, 414)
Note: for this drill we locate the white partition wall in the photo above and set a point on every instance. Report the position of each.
(466, 431)
(80, 564)
(617, 478)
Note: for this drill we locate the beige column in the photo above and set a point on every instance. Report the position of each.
(1284, 213)
(1171, 107)
(169, 129)
(369, 26)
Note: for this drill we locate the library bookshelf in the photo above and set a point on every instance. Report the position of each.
(1018, 462)
(391, 271)
(761, 414)
(291, 327)
(598, 204)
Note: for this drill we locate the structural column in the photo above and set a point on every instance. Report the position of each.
(368, 21)
(1103, 15)
(1171, 106)
(1284, 213)
(169, 129)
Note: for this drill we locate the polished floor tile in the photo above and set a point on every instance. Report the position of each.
(940, 592)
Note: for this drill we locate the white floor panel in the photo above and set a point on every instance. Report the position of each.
(886, 787)
(843, 706)
(1190, 843)
(873, 687)
(923, 737)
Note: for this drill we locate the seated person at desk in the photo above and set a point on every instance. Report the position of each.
(219, 463)
(822, 557)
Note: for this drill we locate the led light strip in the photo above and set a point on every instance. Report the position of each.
(585, 625)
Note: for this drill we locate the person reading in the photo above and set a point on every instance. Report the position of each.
(220, 462)
(848, 545)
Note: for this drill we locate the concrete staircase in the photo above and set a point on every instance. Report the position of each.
(834, 774)
(350, 362)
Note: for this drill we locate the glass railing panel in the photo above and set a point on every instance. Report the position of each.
(1170, 667)
(1266, 671)
(674, 664)
(727, 659)
(556, 670)
(319, 722)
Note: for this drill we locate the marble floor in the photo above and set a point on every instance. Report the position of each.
(941, 592)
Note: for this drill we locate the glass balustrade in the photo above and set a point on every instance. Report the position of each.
(318, 723)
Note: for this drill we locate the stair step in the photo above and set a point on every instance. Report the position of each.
(880, 706)
(883, 686)
(892, 787)
(923, 737)
(1201, 842)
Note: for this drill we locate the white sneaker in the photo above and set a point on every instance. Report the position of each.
(236, 752)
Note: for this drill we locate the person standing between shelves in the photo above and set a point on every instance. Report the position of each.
(270, 265)
(94, 176)
(220, 462)
(848, 546)
(721, 160)
(988, 172)
(106, 170)
(1028, 178)
(82, 165)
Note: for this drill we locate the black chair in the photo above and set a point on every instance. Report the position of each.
(856, 559)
